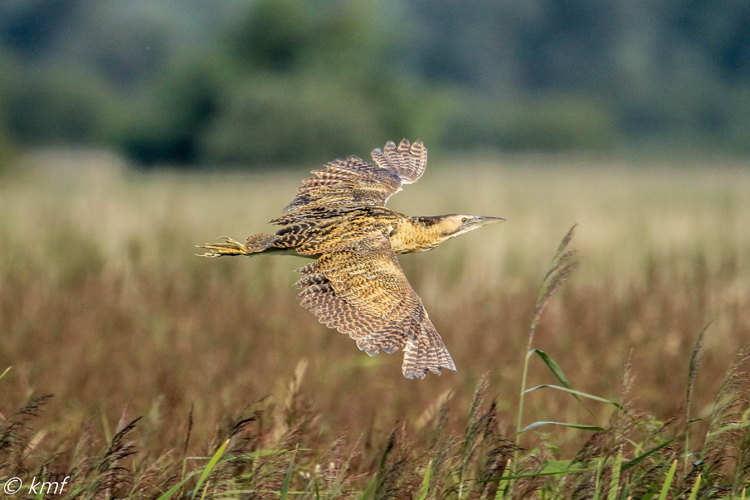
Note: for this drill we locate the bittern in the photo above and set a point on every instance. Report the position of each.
(356, 284)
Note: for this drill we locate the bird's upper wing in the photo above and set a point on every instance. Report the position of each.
(361, 290)
(353, 181)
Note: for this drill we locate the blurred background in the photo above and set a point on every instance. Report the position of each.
(132, 130)
(239, 82)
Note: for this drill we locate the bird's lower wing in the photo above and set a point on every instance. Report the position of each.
(360, 290)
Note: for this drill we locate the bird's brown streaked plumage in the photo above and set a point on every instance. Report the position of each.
(354, 181)
(356, 284)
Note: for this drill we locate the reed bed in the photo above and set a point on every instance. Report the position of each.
(179, 377)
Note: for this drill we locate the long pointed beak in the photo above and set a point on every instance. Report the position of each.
(480, 220)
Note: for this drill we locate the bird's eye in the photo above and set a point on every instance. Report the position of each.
(464, 219)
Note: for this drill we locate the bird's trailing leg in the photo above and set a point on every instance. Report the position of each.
(229, 247)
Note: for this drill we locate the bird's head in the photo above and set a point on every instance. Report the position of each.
(456, 224)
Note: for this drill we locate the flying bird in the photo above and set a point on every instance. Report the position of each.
(355, 284)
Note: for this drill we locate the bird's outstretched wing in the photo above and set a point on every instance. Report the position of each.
(360, 290)
(353, 181)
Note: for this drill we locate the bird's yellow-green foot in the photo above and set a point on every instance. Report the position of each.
(229, 247)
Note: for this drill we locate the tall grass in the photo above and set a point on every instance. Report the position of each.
(174, 377)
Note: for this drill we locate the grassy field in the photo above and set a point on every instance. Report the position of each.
(104, 305)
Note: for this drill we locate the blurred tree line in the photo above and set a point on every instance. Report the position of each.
(263, 81)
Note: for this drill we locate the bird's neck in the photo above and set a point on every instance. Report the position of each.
(417, 234)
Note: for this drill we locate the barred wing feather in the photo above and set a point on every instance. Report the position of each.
(354, 181)
(360, 289)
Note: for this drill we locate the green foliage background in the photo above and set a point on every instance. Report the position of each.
(268, 81)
